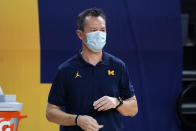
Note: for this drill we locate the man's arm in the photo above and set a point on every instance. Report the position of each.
(128, 108)
(54, 114)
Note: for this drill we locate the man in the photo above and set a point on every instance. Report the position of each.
(93, 85)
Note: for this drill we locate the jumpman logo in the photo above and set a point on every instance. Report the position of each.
(78, 75)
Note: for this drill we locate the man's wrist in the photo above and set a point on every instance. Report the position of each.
(120, 102)
(117, 102)
(76, 120)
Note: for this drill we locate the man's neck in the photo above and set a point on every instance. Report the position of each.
(90, 56)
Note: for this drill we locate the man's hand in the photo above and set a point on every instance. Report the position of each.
(105, 103)
(88, 123)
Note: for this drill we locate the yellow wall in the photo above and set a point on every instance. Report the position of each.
(20, 61)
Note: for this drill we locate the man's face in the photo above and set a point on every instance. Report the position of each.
(91, 24)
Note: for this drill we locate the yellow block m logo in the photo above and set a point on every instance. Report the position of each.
(111, 72)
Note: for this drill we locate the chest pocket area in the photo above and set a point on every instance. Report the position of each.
(78, 86)
(108, 86)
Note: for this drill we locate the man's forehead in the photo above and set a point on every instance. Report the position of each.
(94, 21)
(87, 18)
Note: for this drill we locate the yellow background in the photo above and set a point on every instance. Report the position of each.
(20, 62)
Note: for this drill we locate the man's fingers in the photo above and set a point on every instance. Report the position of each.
(108, 106)
(100, 104)
(104, 107)
(99, 100)
(88, 123)
(95, 126)
(104, 103)
(95, 121)
(100, 126)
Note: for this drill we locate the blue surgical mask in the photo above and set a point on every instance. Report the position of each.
(96, 40)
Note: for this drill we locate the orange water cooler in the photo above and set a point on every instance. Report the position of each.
(10, 113)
